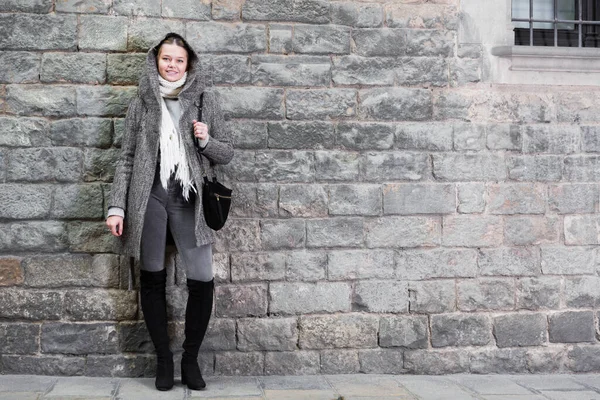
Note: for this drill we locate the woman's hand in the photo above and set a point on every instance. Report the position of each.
(115, 225)
(200, 130)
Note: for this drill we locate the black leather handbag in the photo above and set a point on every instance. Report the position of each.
(216, 197)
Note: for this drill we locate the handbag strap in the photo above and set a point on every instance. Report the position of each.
(197, 145)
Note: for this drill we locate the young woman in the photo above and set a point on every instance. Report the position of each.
(157, 186)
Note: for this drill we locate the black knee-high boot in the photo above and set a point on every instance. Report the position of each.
(197, 315)
(154, 305)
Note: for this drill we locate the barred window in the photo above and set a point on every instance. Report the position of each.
(566, 23)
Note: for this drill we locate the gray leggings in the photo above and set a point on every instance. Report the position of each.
(168, 210)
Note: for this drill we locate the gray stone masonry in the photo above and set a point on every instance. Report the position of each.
(394, 210)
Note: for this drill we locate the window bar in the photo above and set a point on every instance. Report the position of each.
(531, 22)
(555, 23)
(580, 23)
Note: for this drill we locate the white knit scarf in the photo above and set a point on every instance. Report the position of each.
(172, 152)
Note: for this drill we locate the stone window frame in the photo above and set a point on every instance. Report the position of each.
(490, 27)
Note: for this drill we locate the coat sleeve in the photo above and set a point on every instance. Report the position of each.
(219, 149)
(120, 185)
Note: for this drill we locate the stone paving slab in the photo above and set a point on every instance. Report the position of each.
(20, 396)
(83, 386)
(367, 385)
(301, 394)
(574, 395)
(491, 384)
(21, 383)
(435, 388)
(143, 389)
(294, 382)
(221, 386)
(549, 382)
(591, 381)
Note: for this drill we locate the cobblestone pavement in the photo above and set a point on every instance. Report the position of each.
(325, 387)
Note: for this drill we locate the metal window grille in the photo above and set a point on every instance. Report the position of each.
(570, 23)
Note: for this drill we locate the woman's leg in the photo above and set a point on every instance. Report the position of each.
(198, 263)
(153, 279)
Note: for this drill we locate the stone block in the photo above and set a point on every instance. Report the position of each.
(24, 132)
(530, 230)
(124, 69)
(338, 331)
(308, 11)
(339, 362)
(282, 234)
(242, 167)
(83, 7)
(360, 264)
(460, 330)
(573, 198)
(469, 167)
(320, 103)
(424, 136)
(284, 166)
(100, 164)
(275, 70)
(551, 139)
(381, 296)
(143, 33)
(292, 363)
(569, 260)
(270, 334)
(248, 267)
(416, 198)
(77, 202)
(582, 168)
(504, 137)
(365, 136)
(302, 201)
(73, 68)
(436, 362)
(327, 39)
(430, 297)
(30, 305)
(249, 134)
(121, 366)
(381, 361)
(538, 293)
(226, 38)
(187, 9)
(306, 266)
(335, 232)
(436, 263)
(357, 15)
(464, 71)
(395, 104)
(300, 135)
(76, 132)
(542, 168)
(433, 43)
(19, 67)
(38, 32)
(520, 330)
(20, 338)
(486, 294)
(280, 38)
(472, 231)
(104, 100)
(406, 332)
(230, 69)
(503, 361)
(589, 139)
(452, 104)
(468, 136)
(581, 230)
(357, 70)
(43, 365)
(229, 10)
(470, 197)
(583, 359)
(241, 300)
(78, 339)
(221, 335)
(253, 103)
(252, 200)
(307, 298)
(149, 8)
(424, 71)
(31, 6)
(134, 337)
(48, 101)
(520, 261)
(399, 232)
(336, 166)
(18, 201)
(581, 292)
(119, 130)
(44, 164)
(239, 364)
(354, 200)
(101, 305)
(571, 327)
(546, 359)
(38, 236)
(380, 42)
(404, 166)
(11, 272)
(91, 237)
(102, 33)
(413, 15)
(238, 235)
(71, 270)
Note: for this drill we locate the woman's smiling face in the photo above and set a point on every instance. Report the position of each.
(172, 62)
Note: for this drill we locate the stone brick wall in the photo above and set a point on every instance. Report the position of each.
(394, 212)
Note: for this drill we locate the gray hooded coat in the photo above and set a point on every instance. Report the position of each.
(137, 164)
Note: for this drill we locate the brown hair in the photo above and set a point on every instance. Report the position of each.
(177, 40)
